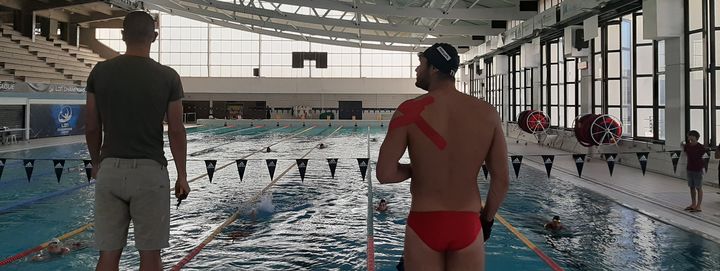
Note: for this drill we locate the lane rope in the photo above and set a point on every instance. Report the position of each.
(195, 251)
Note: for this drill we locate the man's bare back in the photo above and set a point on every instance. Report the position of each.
(447, 179)
(449, 135)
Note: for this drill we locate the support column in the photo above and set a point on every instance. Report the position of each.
(537, 88)
(506, 96)
(53, 28)
(675, 88)
(586, 83)
(27, 120)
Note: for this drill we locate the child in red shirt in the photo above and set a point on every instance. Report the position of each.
(695, 165)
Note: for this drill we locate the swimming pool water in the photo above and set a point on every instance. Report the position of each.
(320, 224)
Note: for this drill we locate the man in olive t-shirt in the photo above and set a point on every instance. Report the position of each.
(127, 99)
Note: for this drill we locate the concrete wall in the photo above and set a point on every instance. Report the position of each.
(312, 92)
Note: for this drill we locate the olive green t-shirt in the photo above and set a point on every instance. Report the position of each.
(132, 95)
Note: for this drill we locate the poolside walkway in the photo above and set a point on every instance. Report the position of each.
(53, 141)
(41, 143)
(660, 196)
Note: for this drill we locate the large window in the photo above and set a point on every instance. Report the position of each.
(494, 88)
(702, 55)
(477, 79)
(629, 77)
(196, 48)
(520, 80)
(560, 84)
(546, 4)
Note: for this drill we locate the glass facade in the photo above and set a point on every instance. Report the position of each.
(199, 49)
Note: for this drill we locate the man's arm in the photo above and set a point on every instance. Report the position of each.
(178, 146)
(498, 166)
(389, 169)
(93, 131)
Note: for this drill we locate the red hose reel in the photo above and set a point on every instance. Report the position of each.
(533, 121)
(595, 130)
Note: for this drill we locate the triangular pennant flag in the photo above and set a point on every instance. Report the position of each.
(675, 157)
(643, 158)
(241, 165)
(516, 162)
(88, 168)
(2, 166)
(210, 166)
(485, 170)
(29, 166)
(363, 163)
(59, 167)
(302, 166)
(579, 162)
(610, 159)
(706, 159)
(332, 162)
(271, 164)
(548, 160)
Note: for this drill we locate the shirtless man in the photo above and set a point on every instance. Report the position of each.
(449, 135)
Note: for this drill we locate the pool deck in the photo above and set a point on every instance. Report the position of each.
(53, 141)
(659, 196)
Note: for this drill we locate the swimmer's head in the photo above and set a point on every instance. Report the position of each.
(556, 218)
(54, 242)
(383, 201)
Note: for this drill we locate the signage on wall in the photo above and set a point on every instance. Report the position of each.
(48, 120)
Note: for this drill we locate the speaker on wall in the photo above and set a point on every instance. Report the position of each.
(256, 72)
(579, 41)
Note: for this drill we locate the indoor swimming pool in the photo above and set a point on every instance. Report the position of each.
(321, 223)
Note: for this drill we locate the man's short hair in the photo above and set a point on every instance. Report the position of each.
(694, 133)
(138, 27)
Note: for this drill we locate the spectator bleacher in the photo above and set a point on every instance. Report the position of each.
(42, 60)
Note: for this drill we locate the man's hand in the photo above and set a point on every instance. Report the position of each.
(486, 227)
(95, 169)
(182, 188)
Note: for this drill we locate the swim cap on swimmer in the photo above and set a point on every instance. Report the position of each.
(54, 241)
(442, 56)
(556, 218)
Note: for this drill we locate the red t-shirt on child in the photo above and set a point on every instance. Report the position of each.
(694, 156)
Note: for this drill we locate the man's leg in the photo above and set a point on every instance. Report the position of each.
(469, 258)
(693, 197)
(699, 197)
(418, 256)
(150, 260)
(150, 209)
(109, 260)
(112, 217)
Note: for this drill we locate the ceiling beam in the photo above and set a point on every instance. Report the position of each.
(383, 9)
(36, 5)
(80, 19)
(57, 15)
(102, 8)
(440, 30)
(262, 31)
(329, 33)
(78, 10)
